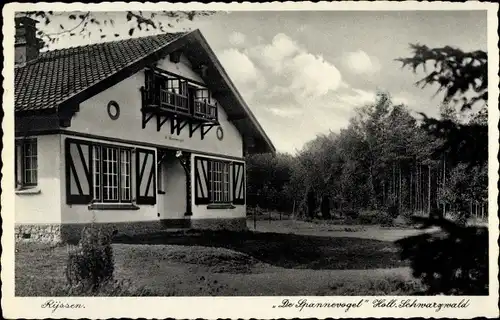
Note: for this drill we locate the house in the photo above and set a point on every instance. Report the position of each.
(138, 135)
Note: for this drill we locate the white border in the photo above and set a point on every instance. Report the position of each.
(235, 307)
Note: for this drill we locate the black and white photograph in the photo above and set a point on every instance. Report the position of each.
(247, 151)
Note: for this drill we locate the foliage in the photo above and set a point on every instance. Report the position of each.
(92, 263)
(103, 23)
(463, 77)
(456, 72)
(384, 160)
(465, 186)
(453, 261)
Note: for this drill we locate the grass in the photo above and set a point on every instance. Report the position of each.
(229, 263)
(287, 250)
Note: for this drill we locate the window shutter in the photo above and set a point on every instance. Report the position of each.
(238, 183)
(78, 171)
(145, 176)
(201, 182)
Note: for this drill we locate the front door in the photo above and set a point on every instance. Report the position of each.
(173, 195)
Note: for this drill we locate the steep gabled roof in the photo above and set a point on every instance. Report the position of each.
(60, 79)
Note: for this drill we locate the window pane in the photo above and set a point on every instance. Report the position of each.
(96, 155)
(219, 181)
(125, 175)
(30, 163)
(110, 174)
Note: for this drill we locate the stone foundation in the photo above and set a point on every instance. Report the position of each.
(43, 233)
(71, 232)
(233, 224)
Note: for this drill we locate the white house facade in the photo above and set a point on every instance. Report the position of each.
(137, 135)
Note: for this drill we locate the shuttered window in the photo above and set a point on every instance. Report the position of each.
(111, 174)
(219, 181)
(102, 173)
(213, 181)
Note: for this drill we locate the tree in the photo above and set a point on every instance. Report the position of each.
(463, 78)
(85, 23)
(455, 260)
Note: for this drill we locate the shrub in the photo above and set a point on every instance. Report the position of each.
(371, 217)
(453, 261)
(91, 264)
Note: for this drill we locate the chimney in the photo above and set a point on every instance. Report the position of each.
(27, 44)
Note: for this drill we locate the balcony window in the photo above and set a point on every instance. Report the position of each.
(204, 107)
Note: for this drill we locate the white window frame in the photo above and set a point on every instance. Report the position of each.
(113, 166)
(219, 180)
(26, 163)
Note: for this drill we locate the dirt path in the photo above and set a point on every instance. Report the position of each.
(323, 230)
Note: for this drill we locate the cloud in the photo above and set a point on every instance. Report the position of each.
(237, 38)
(274, 55)
(292, 90)
(239, 66)
(313, 76)
(295, 71)
(243, 72)
(361, 63)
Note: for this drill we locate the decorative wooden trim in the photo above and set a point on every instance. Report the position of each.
(146, 117)
(140, 168)
(71, 172)
(205, 128)
(160, 121)
(203, 198)
(239, 174)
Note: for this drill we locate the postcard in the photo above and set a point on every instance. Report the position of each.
(238, 160)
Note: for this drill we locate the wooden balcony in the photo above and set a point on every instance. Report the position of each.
(205, 111)
(167, 98)
(174, 102)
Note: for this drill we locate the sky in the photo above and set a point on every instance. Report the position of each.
(303, 73)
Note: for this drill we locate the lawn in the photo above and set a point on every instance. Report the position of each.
(233, 263)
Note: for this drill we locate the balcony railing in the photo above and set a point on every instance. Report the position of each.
(174, 102)
(166, 100)
(204, 110)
